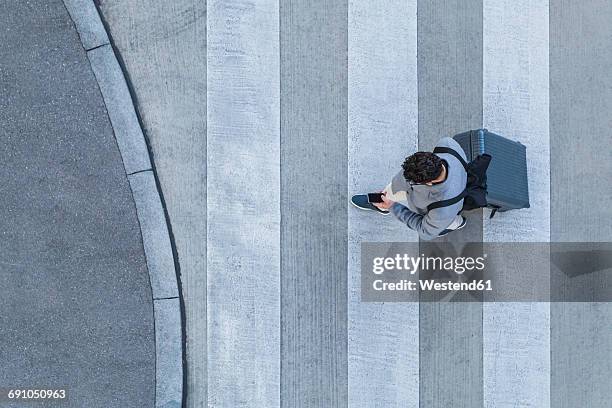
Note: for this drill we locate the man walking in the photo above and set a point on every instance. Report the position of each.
(425, 178)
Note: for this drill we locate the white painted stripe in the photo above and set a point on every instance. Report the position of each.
(243, 254)
(516, 336)
(515, 105)
(383, 339)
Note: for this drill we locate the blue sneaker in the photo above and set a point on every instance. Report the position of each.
(361, 201)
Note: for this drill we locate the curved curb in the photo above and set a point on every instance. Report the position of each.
(151, 216)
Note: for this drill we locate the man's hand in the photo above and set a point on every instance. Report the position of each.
(386, 204)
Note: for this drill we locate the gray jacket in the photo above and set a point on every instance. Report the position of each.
(414, 213)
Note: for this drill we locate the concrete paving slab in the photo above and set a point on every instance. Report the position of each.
(383, 338)
(580, 106)
(163, 47)
(155, 238)
(313, 46)
(74, 292)
(120, 109)
(87, 22)
(450, 101)
(580, 354)
(516, 336)
(243, 210)
(580, 103)
(168, 350)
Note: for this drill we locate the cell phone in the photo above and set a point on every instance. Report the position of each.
(375, 197)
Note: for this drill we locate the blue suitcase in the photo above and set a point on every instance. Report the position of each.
(507, 186)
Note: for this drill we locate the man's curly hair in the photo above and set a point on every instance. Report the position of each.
(422, 167)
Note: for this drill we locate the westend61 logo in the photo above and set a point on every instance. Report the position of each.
(423, 271)
(429, 271)
(411, 264)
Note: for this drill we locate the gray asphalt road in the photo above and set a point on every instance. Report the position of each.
(75, 301)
